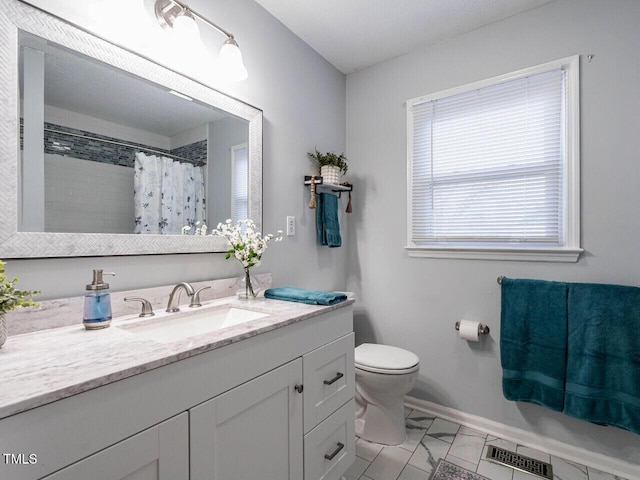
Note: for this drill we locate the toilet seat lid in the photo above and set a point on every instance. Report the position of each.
(385, 357)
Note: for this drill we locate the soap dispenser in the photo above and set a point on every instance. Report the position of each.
(97, 303)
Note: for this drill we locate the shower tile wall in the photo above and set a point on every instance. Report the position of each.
(70, 119)
(196, 152)
(97, 196)
(190, 144)
(82, 196)
(90, 146)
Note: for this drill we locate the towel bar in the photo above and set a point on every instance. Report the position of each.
(335, 188)
(500, 279)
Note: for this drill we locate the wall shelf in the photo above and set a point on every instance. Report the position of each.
(322, 186)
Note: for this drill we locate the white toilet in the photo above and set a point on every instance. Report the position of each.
(384, 375)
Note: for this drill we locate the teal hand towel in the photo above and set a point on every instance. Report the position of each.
(603, 365)
(327, 225)
(301, 295)
(533, 338)
(319, 221)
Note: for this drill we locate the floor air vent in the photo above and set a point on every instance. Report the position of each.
(520, 462)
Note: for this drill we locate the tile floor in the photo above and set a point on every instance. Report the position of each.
(430, 439)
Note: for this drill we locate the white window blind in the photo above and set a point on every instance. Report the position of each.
(239, 190)
(488, 166)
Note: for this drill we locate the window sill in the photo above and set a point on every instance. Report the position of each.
(566, 255)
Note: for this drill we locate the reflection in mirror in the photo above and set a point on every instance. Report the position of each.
(118, 153)
(81, 134)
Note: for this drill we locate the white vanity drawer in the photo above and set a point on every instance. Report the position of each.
(329, 379)
(329, 449)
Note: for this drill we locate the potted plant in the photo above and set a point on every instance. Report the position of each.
(332, 166)
(10, 299)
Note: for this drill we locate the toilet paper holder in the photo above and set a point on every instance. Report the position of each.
(482, 329)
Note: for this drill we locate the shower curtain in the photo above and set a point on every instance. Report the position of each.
(168, 195)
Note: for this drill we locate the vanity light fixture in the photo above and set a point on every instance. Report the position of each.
(182, 19)
(185, 27)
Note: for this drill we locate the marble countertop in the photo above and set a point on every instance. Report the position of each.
(44, 366)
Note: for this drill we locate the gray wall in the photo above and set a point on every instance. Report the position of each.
(414, 303)
(303, 99)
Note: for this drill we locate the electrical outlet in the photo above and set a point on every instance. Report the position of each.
(291, 226)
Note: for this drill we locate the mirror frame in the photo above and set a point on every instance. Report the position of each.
(17, 16)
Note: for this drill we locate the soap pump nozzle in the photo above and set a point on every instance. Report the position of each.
(98, 283)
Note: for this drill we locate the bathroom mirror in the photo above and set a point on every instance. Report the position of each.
(107, 111)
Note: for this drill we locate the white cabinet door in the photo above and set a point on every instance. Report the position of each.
(158, 453)
(252, 431)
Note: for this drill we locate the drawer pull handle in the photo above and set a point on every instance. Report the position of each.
(335, 452)
(299, 388)
(334, 379)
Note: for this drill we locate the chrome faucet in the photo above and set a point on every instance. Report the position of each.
(174, 298)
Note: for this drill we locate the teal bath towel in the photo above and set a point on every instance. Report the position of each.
(327, 226)
(603, 365)
(300, 295)
(533, 339)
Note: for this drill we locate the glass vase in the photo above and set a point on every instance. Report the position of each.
(247, 287)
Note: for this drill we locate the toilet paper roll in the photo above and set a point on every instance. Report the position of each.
(469, 330)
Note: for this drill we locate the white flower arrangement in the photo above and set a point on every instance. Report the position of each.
(247, 244)
(199, 229)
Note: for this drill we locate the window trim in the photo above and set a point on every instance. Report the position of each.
(570, 251)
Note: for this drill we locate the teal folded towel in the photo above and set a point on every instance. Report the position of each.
(603, 364)
(327, 225)
(533, 339)
(300, 295)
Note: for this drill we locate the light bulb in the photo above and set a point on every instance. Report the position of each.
(230, 61)
(186, 29)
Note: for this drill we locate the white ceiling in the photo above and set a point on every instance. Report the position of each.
(79, 84)
(355, 34)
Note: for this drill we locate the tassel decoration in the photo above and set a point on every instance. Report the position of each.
(312, 201)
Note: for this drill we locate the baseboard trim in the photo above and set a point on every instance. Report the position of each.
(529, 439)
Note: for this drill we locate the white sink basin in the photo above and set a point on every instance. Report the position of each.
(191, 323)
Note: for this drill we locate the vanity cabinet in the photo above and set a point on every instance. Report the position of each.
(277, 405)
(158, 453)
(256, 430)
(252, 431)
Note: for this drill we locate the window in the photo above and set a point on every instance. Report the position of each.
(493, 168)
(239, 186)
